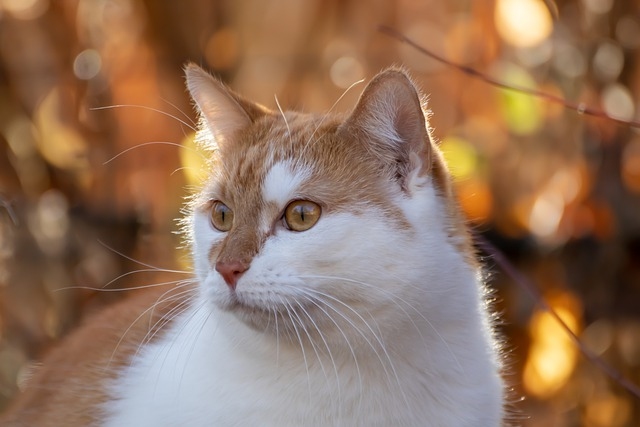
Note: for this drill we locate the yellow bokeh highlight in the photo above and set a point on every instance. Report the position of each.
(552, 354)
(460, 155)
(193, 161)
(59, 142)
(523, 23)
(522, 112)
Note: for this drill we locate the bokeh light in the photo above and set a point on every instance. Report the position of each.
(523, 23)
(557, 191)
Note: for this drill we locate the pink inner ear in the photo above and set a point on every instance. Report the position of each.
(390, 113)
(221, 112)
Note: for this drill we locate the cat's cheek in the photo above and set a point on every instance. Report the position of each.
(212, 287)
(204, 237)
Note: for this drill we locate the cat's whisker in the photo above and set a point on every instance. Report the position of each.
(133, 288)
(144, 264)
(313, 345)
(145, 144)
(395, 297)
(132, 324)
(185, 115)
(285, 119)
(324, 341)
(166, 297)
(375, 336)
(304, 354)
(170, 315)
(310, 340)
(194, 342)
(182, 168)
(129, 273)
(187, 322)
(144, 107)
(322, 297)
(275, 319)
(328, 113)
(313, 301)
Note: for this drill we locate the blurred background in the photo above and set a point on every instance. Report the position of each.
(89, 194)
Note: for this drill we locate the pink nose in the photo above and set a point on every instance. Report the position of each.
(231, 271)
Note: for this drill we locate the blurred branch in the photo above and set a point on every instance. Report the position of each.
(7, 206)
(580, 108)
(535, 294)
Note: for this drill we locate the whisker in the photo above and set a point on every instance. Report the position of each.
(330, 110)
(133, 288)
(182, 168)
(194, 342)
(144, 264)
(170, 315)
(175, 107)
(180, 332)
(344, 335)
(144, 144)
(304, 355)
(160, 300)
(144, 107)
(285, 119)
(377, 338)
(396, 297)
(313, 346)
(123, 275)
(275, 317)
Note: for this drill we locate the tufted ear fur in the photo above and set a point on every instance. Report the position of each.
(389, 117)
(222, 111)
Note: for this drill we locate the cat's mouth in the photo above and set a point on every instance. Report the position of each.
(235, 303)
(262, 316)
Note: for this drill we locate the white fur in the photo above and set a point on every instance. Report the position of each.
(412, 348)
(281, 182)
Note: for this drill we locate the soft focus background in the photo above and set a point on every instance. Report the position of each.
(88, 195)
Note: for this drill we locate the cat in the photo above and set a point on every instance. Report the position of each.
(336, 285)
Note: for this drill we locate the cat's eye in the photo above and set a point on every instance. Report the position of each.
(301, 215)
(221, 216)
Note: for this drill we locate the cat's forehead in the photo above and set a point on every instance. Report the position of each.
(283, 181)
(306, 157)
(276, 155)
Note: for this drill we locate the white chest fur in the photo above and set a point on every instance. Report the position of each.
(382, 318)
(199, 375)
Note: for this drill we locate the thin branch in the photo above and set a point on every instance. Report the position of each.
(533, 291)
(580, 108)
(7, 206)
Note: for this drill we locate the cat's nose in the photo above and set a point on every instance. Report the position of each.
(231, 271)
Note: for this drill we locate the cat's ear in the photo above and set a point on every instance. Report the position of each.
(390, 118)
(223, 111)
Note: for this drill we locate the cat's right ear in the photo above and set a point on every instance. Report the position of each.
(223, 111)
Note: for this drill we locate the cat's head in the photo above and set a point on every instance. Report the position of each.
(316, 221)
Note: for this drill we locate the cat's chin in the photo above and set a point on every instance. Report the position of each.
(256, 317)
(274, 320)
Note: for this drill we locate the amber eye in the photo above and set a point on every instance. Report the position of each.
(221, 216)
(301, 215)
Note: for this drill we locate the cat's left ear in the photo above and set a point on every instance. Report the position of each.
(390, 118)
(224, 112)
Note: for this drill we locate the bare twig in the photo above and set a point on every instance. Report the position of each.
(490, 249)
(535, 294)
(580, 108)
(7, 206)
